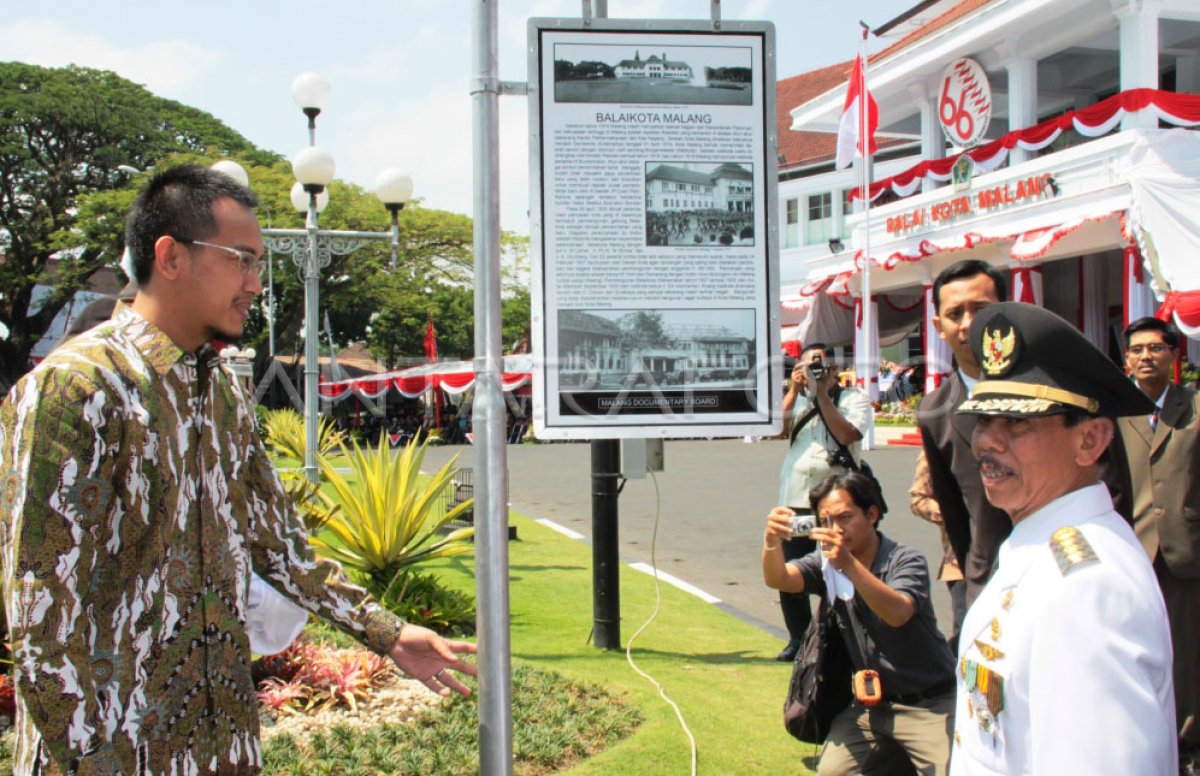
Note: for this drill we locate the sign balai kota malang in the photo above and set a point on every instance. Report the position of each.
(964, 205)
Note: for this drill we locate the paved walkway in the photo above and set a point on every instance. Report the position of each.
(714, 496)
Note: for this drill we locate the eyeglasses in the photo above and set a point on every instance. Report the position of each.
(247, 262)
(1154, 348)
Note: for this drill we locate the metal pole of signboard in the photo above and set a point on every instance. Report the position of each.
(606, 581)
(491, 498)
(606, 476)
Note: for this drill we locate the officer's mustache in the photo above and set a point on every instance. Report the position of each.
(990, 466)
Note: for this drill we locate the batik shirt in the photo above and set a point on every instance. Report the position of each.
(136, 499)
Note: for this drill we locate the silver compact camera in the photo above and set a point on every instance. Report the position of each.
(803, 524)
(817, 369)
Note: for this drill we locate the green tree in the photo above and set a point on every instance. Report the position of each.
(644, 329)
(65, 133)
(404, 309)
(71, 143)
(367, 298)
(515, 317)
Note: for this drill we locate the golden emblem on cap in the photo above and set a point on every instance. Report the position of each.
(1006, 405)
(1071, 549)
(997, 350)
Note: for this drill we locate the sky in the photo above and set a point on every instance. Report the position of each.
(399, 69)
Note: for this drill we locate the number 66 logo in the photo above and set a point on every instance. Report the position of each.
(964, 103)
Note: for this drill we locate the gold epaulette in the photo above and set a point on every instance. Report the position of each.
(1071, 549)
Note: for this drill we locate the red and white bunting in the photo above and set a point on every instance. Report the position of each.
(1027, 285)
(1181, 110)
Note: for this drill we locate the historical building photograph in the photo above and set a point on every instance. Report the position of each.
(608, 350)
(667, 75)
(699, 205)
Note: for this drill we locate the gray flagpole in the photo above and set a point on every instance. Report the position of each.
(868, 318)
(491, 498)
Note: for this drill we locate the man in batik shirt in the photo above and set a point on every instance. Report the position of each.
(136, 500)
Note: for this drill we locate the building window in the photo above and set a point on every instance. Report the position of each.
(820, 218)
(847, 209)
(791, 230)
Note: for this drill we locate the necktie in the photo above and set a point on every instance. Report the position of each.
(1153, 421)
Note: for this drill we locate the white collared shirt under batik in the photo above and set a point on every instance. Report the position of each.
(137, 497)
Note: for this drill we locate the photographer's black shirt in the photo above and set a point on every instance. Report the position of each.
(911, 659)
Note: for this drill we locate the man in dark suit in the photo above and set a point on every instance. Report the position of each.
(1164, 461)
(974, 527)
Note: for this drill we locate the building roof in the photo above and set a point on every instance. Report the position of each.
(800, 149)
(669, 172)
(953, 12)
(637, 61)
(731, 170)
(586, 323)
(354, 361)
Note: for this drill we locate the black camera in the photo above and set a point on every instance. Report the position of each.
(817, 369)
(843, 459)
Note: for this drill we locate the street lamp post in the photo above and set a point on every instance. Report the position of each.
(312, 247)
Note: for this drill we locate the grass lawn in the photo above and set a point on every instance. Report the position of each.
(720, 671)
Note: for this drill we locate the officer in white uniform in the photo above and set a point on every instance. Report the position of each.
(1065, 658)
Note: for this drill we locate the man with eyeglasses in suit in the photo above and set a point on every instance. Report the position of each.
(1164, 462)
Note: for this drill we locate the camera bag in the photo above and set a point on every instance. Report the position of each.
(819, 689)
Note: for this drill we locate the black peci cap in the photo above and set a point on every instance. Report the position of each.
(1035, 363)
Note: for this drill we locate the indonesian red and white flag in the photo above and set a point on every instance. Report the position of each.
(850, 131)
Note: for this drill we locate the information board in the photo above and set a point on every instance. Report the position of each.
(654, 233)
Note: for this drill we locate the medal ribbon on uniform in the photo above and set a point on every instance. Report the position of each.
(989, 683)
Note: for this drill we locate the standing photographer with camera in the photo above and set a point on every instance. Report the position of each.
(899, 666)
(821, 419)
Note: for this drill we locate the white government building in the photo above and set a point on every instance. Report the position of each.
(653, 66)
(1083, 181)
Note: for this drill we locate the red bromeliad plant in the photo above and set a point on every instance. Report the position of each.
(344, 676)
(278, 695)
(309, 678)
(8, 697)
(282, 665)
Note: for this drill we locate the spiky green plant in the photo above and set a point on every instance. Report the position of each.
(388, 520)
(313, 506)
(285, 434)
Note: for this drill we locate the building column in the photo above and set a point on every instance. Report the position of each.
(1093, 310)
(866, 349)
(1022, 101)
(866, 360)
(1139, 54)
(838, 227)
(1139, 299)
(937, 350)
(933, 141)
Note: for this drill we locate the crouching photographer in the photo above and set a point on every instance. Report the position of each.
(898, 715)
